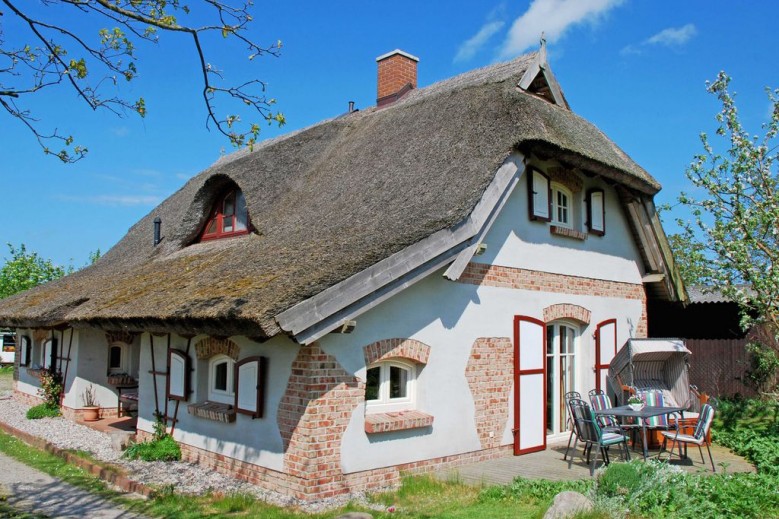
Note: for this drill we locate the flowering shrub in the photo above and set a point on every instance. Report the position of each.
(51, 387)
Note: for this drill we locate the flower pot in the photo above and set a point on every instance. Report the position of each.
(90, 414)
(636, 407)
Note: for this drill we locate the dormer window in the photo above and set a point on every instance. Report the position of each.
(229, 217)
(561, 206)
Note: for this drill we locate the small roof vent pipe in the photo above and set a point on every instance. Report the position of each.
(351, 106)
(157, 230)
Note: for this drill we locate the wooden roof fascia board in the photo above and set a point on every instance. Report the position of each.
(554, 86)
(673, 280)
(540, 66)
(320, 307)
(349, 313)
(495, 197)
(530, 74)
(632, 209)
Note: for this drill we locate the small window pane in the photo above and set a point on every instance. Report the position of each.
(372, 384)
(211, 229)
(220, 376)
(115, 357)
(241, 216)
(398, 382)
(227, 224)
(549, 340)
(229, 205)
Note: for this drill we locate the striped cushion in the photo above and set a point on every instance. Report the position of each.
(654, 399)
(704, 421)
(600, 402)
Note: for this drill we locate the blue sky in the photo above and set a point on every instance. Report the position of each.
(636, 69)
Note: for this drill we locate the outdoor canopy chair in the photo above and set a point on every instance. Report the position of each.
(659, 364)
(592, 433)
(698, 437)
(571, 395)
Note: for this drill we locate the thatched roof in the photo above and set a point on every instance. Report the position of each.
(327, 202)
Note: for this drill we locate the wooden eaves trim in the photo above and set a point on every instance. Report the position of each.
(313, 318)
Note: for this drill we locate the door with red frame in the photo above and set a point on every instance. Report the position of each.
(605, 350)
(529, 385)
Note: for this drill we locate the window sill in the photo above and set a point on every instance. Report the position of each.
(396, 421)
(566, 232)
(212, 411)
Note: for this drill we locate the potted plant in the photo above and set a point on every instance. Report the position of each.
(91, 408)
(636, 403)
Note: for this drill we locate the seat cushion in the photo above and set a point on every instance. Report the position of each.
(686, 438)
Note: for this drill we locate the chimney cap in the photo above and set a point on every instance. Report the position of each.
(397, 51)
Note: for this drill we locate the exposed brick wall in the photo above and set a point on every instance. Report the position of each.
(394, 73)
(208, 347)
(124, 337)
(40, 335)
(524, 279)
(490, 375)
(403, 348)
(312, 417)
(565, 177)
(567, 311)
(67, 412)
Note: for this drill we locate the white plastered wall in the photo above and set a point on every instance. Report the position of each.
(255, 441)
(451, 316)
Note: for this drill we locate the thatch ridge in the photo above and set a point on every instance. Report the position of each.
(327, 202)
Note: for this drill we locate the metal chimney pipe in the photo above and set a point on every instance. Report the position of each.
(157, 229)
(351, 106)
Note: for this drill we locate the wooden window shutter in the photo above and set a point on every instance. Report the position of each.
(25, 350)
(179, 375)
(596, 212)
(250, 375)
(539, 196)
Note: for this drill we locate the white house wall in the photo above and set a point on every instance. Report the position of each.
(256, 441)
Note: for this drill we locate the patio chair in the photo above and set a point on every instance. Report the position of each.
(698, 437)
(592, 433)
(655, 398)
(571, 395)
(601, 401)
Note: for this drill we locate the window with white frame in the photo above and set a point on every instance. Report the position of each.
(220, 379)
(390, 386)
(117, 358)
(562, 206)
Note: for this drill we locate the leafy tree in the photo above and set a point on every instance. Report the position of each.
(732, 242)
(26, 270)
(59, 52)
(689, 257)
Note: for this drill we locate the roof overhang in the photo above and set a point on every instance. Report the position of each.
(311, 319)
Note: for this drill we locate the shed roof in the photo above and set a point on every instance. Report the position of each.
(327, 202)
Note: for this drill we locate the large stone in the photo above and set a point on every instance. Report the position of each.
(567, 504)
(120, 440)
(355, 515)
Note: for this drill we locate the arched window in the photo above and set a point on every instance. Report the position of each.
(117, 358)
(390, 386)
(562, 206)
(220, 379)
(228, 217)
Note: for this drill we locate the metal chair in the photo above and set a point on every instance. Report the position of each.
(571, 395)
(592, 433)
(600, 401)
(654, 398)
(698, 437)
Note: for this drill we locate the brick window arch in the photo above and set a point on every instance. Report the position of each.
(228, 216)
(567, 311)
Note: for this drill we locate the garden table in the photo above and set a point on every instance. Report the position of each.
(647, 411)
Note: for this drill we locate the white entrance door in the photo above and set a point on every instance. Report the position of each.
(561, 341)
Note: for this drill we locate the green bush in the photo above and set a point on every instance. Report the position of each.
(163, 449)
(533, 490)
(42, 411)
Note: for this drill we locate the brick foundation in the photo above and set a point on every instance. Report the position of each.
(67, 412)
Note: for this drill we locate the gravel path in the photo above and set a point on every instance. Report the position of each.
(185, 478)
(33, 491)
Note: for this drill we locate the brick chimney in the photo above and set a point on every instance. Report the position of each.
(397, 75)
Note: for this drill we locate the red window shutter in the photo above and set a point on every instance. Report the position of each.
(249, 379)
(596, 212)
(539, 196)
(179, 375)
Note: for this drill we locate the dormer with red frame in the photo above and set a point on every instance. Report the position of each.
(228, 217)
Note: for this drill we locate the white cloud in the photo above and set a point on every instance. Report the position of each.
(113, 200)
(670, 37)
(553, 18)
(673, 36)
(474, 44)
